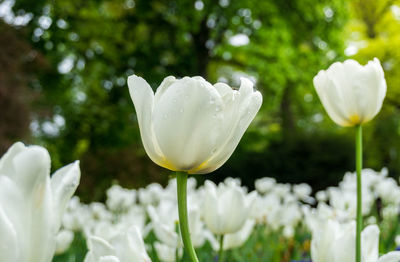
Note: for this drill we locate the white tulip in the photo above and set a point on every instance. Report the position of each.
(335, 242)
(234, 240)
(226, 207)
(126, 246)
(120, 199)
(190, 125)
(265, 184)
(351, 94)
(32, 204)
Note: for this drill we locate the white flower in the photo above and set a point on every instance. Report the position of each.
(126, 246)
(303, 192)
(236, 239)
(350, 93)
(190, 125)
(226, 207)
(120, 199)
(265, 184)
(335, 242)
(32, 204)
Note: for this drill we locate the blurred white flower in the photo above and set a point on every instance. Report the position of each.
(150, 195)
(234, 240)
(120, 199)
(226, 207)
(32, 204)
(351, 94)
(303, 192)
(126, 246)
(335, 242)
(265, 184)
(190, 125)
(321, 196)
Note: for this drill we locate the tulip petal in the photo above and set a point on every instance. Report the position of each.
(228, 203)
(390, 257)
(210, 207)
(163, 87)
(129, 246)
(32, 168)
(98, 248)
(110, 259)
(9, 249)
(247, 103)
(143, 99)
(63, 184)
(370, 243)
(188, 112)
(331, 98)
(6, 165)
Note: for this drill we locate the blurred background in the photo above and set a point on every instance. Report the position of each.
(64, 65)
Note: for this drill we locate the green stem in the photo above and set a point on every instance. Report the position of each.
(221, 248)
(181, 178)
(177, 258)
(359, 193)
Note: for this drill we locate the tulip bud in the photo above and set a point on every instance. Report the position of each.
(190, 125)
(351, 94)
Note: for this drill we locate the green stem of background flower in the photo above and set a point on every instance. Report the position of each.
(359, 193)
(181, 178)
(221, 248)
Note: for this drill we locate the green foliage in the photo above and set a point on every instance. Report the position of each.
(76, 252)
(106, 41)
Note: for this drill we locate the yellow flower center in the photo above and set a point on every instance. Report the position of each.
(355, 119)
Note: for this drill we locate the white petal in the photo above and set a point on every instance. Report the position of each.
(109, 259)
(331, 98)
(247, 105)
(63, 184)
(13, 204)
(187, 122)
(9, 249)
(32, 168)
(231, 205)
(98, 248)
(239, 238)
(163, 87)
(370, 243)
(6, 165)
(143, 98)
(210, 208)
(390, 257)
